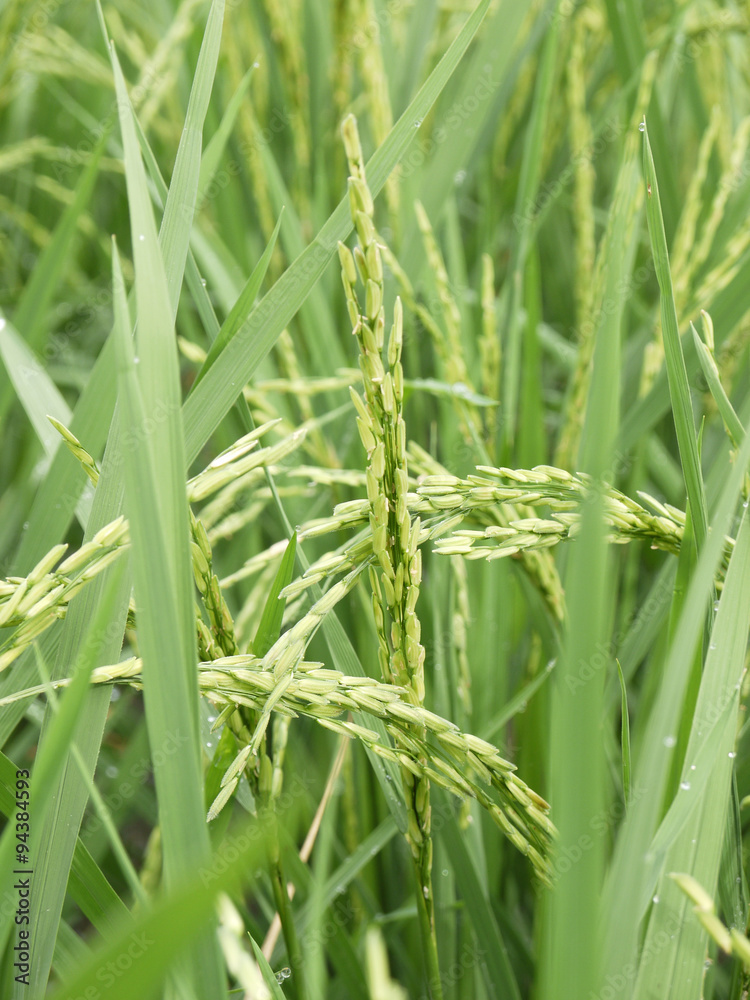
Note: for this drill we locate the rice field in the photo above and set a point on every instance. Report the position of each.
(374, 549)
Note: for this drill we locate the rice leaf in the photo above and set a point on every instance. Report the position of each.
(696, 850)
(625, 737)
(240, 309)
(679, 389)
(269, 627)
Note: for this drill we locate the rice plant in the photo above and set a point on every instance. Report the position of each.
(374, 558)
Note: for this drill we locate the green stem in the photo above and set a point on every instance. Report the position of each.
(278, 882)
(293, 949)
(425, 911)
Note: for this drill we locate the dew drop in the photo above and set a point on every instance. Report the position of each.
(731, 754)
(685, 786)
(203, 282)
(459, 178)
(642, 127)
(712, 645)
(692, 767)
(656, 899)
(425, 892)
(716, 605)
(114, 694)
(141, 237)
(136, 360)
(445, 871)
(418, 122)
(111, 771)
(669, 741)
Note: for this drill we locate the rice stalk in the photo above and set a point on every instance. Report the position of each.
(395, 536)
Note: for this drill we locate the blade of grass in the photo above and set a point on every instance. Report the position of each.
(497, 973)
(347, 871)
(625, 737)
(216, 145)
(52, 756)
(240, 310)
(165, 932)
(269, 627)
(573, 919)
(183, 191)
(30, 314)
(267, 972)
(163, 590)
(732, 422)
(58, 837)
(60, 732)
(471, 118)
(316, 317)
(732, 881)
(679, 388)
(54, 840)
(35, 390)
(205, 408)
(627, 883)
(526, 197)
(697, 848)
(517, 703)
(65, 490)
